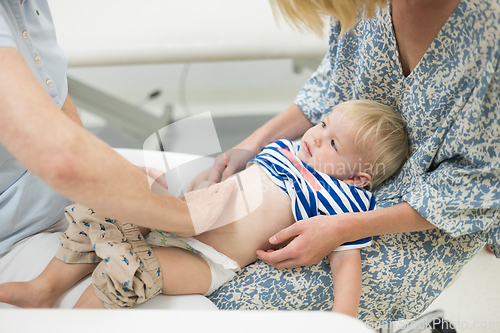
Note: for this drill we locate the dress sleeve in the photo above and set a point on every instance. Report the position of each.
(313, 98)
(6, 34)
(360, 243)
(460, 193)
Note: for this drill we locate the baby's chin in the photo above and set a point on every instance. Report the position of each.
(305, 160)
(302, 155)
(320, 169)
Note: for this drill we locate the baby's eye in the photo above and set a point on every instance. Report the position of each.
(323, 124)
(333, 144)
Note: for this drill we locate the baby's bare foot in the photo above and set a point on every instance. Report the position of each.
(26, 295)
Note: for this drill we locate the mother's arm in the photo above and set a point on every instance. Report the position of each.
(316, 237)
(290, 124)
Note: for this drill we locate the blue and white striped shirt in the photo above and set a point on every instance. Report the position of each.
(312, 192)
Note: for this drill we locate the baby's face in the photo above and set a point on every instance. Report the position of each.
(329, 148)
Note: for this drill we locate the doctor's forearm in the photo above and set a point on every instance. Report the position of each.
(95, 175)
(54, 147)
(69, 109)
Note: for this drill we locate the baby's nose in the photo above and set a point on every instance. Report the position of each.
(318, 138)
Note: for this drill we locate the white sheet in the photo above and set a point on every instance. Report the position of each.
(30, 256)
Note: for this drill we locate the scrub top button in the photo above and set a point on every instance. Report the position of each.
(26, 34)
(49, 83)
(38, 60)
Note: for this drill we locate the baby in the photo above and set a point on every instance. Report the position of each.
(359, 144)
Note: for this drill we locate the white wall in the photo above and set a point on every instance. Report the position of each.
(224, 88)
(229, 57)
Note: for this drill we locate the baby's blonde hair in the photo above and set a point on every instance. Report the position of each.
(309, 14)
(382, 133)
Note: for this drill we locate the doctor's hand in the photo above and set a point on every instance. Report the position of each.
(229, 163)
(313, 239)
(199, 180)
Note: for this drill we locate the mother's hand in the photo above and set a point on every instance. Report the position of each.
(313, 239)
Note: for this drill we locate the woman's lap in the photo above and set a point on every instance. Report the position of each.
(402, 275)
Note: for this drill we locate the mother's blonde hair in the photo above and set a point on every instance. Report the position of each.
(309, 14)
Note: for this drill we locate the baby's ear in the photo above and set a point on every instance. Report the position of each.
(359, 179)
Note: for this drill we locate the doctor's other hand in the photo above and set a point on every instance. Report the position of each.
(156, 180)
(229, 163)
(199, 180)
(311, 241)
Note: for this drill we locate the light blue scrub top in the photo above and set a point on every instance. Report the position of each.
(27, 204)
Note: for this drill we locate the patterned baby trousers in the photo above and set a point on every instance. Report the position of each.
(128, 272)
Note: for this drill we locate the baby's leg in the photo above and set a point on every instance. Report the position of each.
(183, 272)
(43, 291)
(89, 300)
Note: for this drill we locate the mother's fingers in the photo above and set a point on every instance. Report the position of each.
(285, 234)
(273, 257)
(279, 261)
(289, 263)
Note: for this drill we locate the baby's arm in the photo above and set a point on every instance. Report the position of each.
(346, 273)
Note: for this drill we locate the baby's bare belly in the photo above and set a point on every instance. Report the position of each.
(270, 212)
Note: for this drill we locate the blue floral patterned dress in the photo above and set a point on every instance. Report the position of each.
(450, 103)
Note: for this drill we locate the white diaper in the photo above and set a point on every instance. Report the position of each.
(221, 266)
